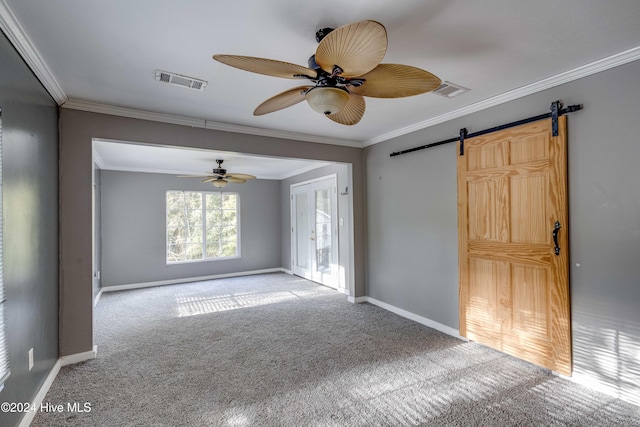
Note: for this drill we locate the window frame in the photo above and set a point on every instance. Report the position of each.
(204, 228)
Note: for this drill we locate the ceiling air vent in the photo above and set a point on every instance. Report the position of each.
(450, 90)
(178, 80)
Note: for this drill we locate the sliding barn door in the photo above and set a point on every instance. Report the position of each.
(512, 209)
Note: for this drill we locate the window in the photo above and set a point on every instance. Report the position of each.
(4, 351)
(202, 226)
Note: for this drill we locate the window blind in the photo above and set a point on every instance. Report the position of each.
(4, 351)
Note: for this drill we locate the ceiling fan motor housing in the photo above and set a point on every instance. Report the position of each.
(322, 33)
(219, 170)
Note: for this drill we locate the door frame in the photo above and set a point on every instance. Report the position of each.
(338, 284)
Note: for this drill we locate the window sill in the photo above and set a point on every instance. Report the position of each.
(194, 261)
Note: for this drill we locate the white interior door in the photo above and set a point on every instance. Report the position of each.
(314, 231)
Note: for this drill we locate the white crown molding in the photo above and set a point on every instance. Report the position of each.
(15, 32)
(132, 113)
(566, 77)
(282, 134)
(95, 107)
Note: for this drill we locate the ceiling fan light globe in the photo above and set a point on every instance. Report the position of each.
(327, 100)
(219, 183)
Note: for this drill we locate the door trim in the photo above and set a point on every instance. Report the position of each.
(338, 283)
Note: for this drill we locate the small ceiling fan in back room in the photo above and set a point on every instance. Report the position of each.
(345, 68)
(220, 178)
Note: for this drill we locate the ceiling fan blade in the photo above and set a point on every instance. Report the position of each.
(209, 179)
(282, 100)
(243, 176)
(235, 180)
(269, 67)
(356, 48)
(396, 81)
(350, 113)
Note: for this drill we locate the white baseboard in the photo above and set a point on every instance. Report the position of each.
(95, 301)
(44, 389)
(356, 300)
(79, 357)
(289, 272)
(412, 316)
(46, 385)
(191, 279)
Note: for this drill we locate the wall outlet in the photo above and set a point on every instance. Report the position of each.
(30, 359)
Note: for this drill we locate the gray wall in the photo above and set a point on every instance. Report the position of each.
(342, 172)
(77, 128)
(134, 228)
(412, 228)
(30, 211)
(412, 231)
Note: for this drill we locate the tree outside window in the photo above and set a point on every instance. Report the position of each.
(201, 226)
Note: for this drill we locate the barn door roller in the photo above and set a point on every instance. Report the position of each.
(555, 107)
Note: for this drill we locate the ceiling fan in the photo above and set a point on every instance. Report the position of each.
(220, 178)
(345, 68)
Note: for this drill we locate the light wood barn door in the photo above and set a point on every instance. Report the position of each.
(514, 289)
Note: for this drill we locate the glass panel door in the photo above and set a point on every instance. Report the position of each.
(323, 232)
(314, 238)
(301, 258)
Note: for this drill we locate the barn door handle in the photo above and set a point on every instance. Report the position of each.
(556, 228)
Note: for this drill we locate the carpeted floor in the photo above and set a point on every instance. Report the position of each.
(276, 350)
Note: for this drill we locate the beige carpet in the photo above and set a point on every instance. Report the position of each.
(276, 350)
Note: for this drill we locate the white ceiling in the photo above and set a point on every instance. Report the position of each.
(105, 53)
(116, 155)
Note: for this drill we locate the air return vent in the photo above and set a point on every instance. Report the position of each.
(178, 80)
(450, 90)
